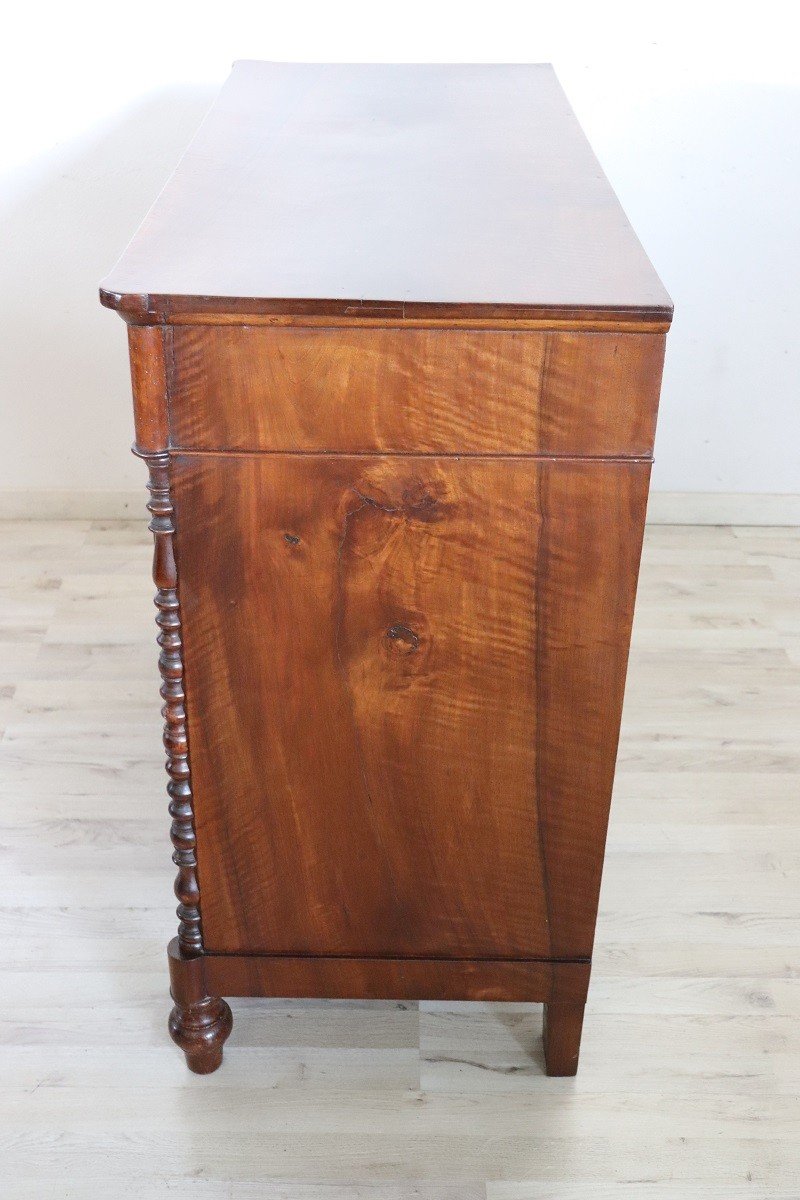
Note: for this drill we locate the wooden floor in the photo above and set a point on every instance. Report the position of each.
(690, 1069)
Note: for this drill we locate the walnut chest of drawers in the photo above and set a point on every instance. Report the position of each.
(396, 357)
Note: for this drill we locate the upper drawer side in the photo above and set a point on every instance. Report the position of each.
(413, 390)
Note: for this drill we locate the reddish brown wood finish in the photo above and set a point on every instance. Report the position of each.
(391, 754)
(414, 391)
(388, 190)
(149, 381)
(397, 544)
(170, 664)
(397, 978)
(563, 1025)
(199, 1023)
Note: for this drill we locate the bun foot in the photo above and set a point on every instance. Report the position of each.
(563, 1024)
(200, 1024)
(201, 1031)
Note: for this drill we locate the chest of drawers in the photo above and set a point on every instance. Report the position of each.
(396, 358)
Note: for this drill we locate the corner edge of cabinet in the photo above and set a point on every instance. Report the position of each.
(135, 308)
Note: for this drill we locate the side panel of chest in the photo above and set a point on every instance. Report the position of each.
(404, 680)
(396, 359)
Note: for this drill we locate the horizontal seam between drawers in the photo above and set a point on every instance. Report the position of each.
(187, 451)
(394, 958)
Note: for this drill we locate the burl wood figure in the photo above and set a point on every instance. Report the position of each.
(396, 358)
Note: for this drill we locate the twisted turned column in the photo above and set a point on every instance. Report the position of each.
(198, 1023)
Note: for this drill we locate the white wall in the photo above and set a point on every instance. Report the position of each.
(693, 110)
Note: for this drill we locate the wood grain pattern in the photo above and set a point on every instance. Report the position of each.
(592, 524)
(408, 528)
(189, 310)
(378, 652)
(423, 390)
(149, 385)
(366, 701)
(460, 189)
(600, 393)
(563, 1024)
(396, 978)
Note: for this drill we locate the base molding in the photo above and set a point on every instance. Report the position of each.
(201, 1020)
(665, 508)
(396, 978)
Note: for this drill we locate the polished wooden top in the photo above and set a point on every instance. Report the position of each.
(443, 190)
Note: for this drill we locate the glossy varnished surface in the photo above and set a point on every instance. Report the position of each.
(404, 679)
(413, 390)
(400, 978)
(396, 357)
(322, 187)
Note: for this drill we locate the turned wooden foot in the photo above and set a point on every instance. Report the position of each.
(562, 1037)
(201, 1031)
(199, 1024)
